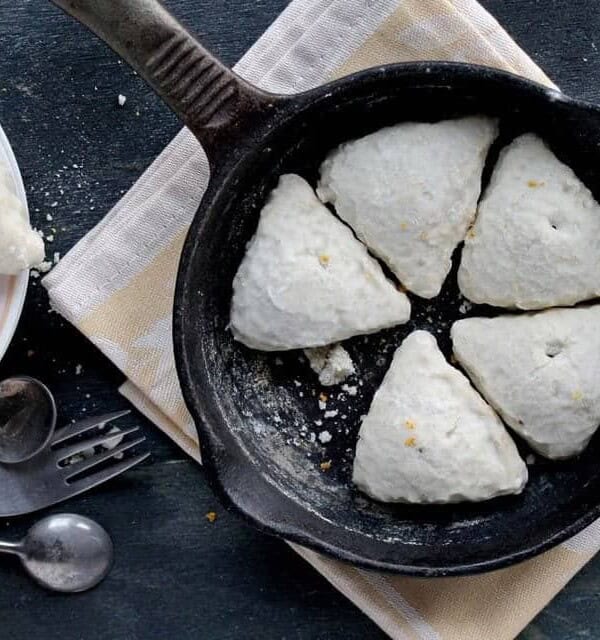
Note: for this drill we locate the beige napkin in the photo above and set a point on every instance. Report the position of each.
(117, 284)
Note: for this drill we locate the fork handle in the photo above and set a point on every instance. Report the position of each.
(203, 92)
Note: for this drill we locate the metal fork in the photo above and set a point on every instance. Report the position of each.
(48, 478)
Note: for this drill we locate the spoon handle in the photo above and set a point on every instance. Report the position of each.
(203, 92)
(14, 548)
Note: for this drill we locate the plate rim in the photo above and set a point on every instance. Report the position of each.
(19, 283)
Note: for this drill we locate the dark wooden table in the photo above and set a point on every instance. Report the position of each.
(177, 575)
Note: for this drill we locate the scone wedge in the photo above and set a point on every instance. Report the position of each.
(540, 371)
(410, 192)
(429, 437)
(536, 241)
(306, 281)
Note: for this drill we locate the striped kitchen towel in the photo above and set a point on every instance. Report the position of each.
(117, 285)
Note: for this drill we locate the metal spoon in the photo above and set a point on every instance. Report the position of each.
(27, 418)
(65, 552)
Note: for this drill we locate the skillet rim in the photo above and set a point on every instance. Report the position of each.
(222, 467)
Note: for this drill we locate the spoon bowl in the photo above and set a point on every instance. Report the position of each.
(65, 552)
(27, 418)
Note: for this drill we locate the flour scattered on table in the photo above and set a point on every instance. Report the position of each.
(535, 241)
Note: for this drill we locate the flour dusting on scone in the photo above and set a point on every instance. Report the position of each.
(429, 437)
(540, 371)
(306, 281)
(410, 193)
(536, 240)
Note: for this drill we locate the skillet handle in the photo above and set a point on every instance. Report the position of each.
(207, 96)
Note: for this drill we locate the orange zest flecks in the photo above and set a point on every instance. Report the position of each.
(534, 184)
(410, 442)
(409, 424)
(324, 259)
(326, 465)
(211, 516)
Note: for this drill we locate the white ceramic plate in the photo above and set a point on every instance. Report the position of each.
(12, 288)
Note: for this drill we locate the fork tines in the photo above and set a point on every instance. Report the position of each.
(83, 483)
(84, 445)
(81, 426)
(86, 464)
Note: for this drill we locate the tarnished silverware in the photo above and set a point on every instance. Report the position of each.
(64, 552)
(75, 461)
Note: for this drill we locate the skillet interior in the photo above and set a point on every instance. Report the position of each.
(251, 408)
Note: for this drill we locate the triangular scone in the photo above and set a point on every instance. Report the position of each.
(410, 192)
(306, 281)
(429, 437)
(540, 371)
(536, 240)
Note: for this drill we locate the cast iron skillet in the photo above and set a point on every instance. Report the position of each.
(255, 412)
